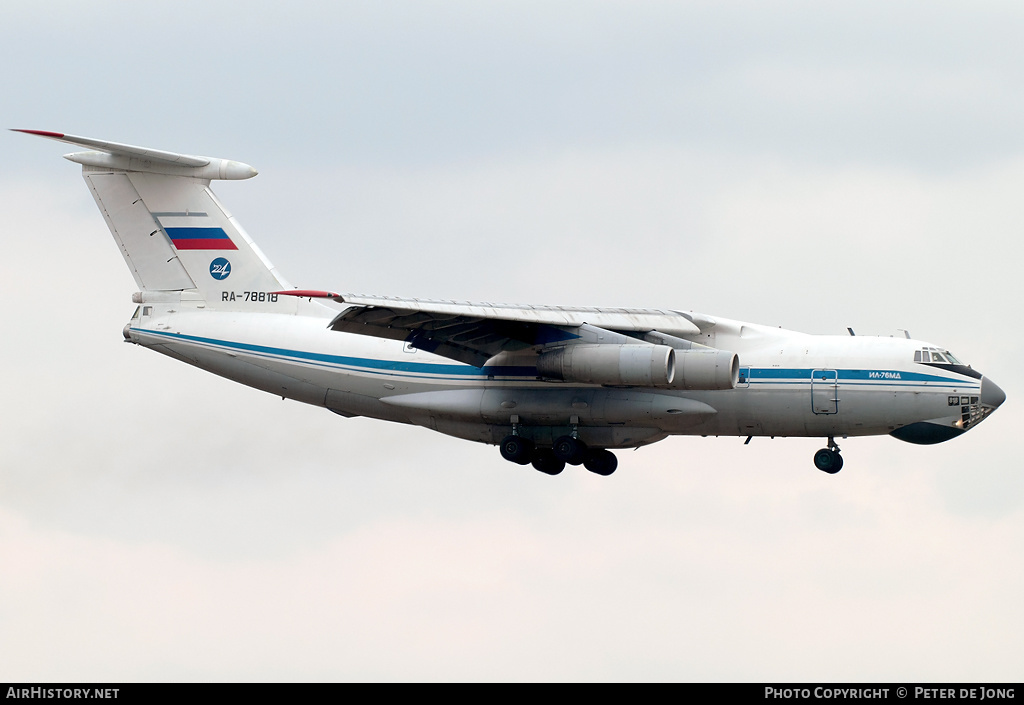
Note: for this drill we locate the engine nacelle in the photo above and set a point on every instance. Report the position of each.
(620, 365)
(706, 369)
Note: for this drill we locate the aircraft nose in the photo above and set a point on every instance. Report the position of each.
(991, 395)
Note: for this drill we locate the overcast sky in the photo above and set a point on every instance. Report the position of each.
(796, 164)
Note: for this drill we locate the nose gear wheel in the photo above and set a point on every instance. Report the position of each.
(828, 459)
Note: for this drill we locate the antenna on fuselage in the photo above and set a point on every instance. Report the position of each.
(851, 331)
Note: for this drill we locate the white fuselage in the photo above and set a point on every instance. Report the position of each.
(791, 384)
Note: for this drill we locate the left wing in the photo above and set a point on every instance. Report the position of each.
(473, 333)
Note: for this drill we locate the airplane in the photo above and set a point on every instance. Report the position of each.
(549, 385)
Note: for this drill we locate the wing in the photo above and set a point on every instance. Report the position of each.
(473, 333)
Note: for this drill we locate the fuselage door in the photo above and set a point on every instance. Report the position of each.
(825, 391)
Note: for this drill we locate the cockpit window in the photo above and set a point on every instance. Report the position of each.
(929, 354)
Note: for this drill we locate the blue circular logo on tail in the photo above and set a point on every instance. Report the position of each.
(220, 268)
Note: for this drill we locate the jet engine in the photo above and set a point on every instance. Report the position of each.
(706, 369)
(619, 365)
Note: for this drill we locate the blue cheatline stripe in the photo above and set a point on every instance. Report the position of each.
(776, 374)
(197, 233)
(423, 368)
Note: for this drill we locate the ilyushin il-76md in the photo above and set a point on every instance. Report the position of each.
(549, 385)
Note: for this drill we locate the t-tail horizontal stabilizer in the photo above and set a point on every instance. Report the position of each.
(171, 229)
(115, 155)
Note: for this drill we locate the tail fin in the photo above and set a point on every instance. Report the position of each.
(174, 234)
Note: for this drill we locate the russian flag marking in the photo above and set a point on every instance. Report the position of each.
(200, 239)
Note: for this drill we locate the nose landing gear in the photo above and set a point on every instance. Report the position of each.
(828, 459)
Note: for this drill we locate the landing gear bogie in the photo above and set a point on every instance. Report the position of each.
(546, 461)
(552, 461)
(601, 462)
(570, 450)
(517, 449)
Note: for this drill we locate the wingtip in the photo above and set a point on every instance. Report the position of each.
(41, 133)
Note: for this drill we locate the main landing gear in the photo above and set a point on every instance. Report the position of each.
(828, 459)
(565, 450)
